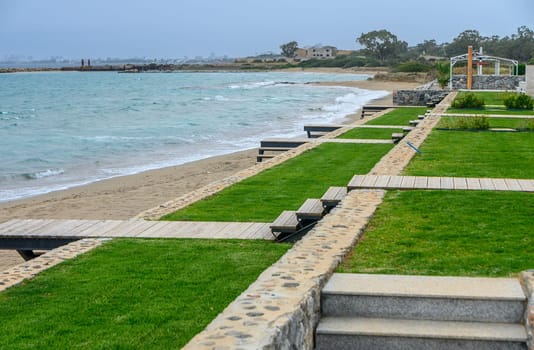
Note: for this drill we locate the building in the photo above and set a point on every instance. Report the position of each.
(320, 52)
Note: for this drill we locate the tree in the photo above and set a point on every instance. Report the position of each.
(382, 44)
(463, 40)
(522, 44)
(289, 49)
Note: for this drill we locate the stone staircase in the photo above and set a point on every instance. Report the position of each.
(414, 312)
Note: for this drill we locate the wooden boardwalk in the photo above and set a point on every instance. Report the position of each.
(440, 183)
(78, 229)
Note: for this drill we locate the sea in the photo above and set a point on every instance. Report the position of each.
(64, 129)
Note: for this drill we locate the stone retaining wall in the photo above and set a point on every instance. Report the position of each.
(529, 78)
(488, 82)
(418, 97)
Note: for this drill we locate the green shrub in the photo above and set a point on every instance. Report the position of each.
(412, 66)
(468, 100)
(467, 123)
(518, 101)
(521, 69)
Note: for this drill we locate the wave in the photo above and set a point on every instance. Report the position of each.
(42, 174)
(254, 85)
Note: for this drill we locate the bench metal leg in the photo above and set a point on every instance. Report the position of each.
(27, 254)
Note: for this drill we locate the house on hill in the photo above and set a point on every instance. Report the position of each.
(321, 52)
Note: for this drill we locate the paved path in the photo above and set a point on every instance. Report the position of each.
(78, 229)
(439, 183)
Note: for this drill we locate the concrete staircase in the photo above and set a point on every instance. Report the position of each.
(414, 312)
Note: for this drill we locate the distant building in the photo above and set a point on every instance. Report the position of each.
(321, 52)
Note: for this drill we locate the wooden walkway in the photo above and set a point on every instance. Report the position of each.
(439, 183)
(41, 230)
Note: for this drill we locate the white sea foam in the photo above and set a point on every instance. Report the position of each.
(253, 85)
(45, 173)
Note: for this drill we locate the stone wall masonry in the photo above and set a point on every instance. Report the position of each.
(488, 82)
(527, 282)
(418, 97)
(529, 78)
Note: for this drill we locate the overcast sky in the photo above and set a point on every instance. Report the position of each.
(178, 28)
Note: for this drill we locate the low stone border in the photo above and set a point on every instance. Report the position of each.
(31, 268)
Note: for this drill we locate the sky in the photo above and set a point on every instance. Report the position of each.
(237, 28)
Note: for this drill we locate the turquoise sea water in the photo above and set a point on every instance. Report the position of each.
(59, 130)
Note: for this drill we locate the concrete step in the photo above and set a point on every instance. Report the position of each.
(398, 334)
(424, 298)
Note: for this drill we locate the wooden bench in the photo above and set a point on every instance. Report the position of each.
(370, 110)
(333, 196)
(320, 128)
(277, 145)
(274, 151)
(311, 210)
(261, 157)
(286, 222)
(397, 136)
(281, 142)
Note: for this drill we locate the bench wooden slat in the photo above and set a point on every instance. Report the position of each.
(311, 209)
(333, 196)
(286, 222)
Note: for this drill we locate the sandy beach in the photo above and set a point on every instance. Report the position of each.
(124, 197)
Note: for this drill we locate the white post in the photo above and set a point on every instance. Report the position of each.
(479, 66)
(497, 67)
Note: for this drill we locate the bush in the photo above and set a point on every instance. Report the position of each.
(521, 69)
(518, 101)
(468, 100)
(467, 123)
(412, 66)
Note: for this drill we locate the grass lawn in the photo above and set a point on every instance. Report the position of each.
(492, 110)
(459, 233)
(365, 133)
(475, 154)
(399, 116)
(132, 294)
(494, 104)
(490, 97)
(521, 124)
(263, 197)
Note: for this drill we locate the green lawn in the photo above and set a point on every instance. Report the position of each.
(475, 154)
(520, 124)
(400, 116)
(492, 110)
(459, 233)
(263, 197)
(132, 294)
(490, 97)
(367, 133)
